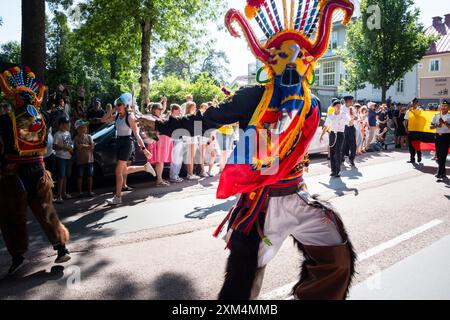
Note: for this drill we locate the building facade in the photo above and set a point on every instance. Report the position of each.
(434, 69)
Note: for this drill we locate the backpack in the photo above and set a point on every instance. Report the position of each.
(126, 119)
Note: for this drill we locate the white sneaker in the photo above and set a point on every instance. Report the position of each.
(176, 180)
(193, 177)
(149, 169)
(59, 200)
(210, 174)
(203, 175)
(114, 200)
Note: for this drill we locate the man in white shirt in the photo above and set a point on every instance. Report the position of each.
(412, 151)
(337, 121)
(441, 122)
(349, 149)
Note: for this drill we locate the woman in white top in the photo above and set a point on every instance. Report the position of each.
(191, 142)
(126, 126)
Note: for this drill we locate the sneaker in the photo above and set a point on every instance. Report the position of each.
(149, 169)
(193, 177)
(411, 161)
(17, 263)
(91, 194)
(63, 255)
(210, 174)
(67, 196)
(203, 175)
(419, 159)
(114, 200)
(127, 188)
(59, 200)
(352, 163)
(176, 180)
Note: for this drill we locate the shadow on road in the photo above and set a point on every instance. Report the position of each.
(14, 287)
(174, 286)
(203, 212)
(429, 170)
(339, 187)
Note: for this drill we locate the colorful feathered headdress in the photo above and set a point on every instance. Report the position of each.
(306, 22)
(21, 84)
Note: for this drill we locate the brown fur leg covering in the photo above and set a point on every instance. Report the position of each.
(340, 258)
(13, 214)
(45, 212)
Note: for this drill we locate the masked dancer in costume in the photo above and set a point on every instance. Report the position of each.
(279, 119)
(23, 180)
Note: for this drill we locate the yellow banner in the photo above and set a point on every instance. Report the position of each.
(420, 121)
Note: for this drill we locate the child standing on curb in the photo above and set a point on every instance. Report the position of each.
(64, 148)
(84, 150)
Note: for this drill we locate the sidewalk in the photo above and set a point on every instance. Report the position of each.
(422, 276)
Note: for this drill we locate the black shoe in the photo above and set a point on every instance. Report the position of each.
(352, 163)
(332, 174)
(17, 263)
(411, 161)
(419, 159)
(63, 255)
(127, 188)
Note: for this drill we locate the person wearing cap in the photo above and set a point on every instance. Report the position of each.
(349, 148)
(372, 121)
(84, 151)
(337, 122)
(412, 151)
(95, 115)
(441, 122)
(63, 146)
(126, 127)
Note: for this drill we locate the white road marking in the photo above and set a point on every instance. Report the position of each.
(284, 291)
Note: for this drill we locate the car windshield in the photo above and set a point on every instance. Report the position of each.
(105, 130)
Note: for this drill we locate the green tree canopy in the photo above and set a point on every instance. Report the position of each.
(204, 89)
(10, 52)
(114, 23)
(382, 53)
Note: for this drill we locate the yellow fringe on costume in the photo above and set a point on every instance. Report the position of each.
(283, 148)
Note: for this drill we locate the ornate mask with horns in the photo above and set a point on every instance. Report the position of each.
(294, 43)
(30, 133)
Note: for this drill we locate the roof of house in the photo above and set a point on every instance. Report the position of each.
(442, 45)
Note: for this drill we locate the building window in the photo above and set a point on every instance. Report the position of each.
(401, 86)
(334, 41)
(435, 65)
(329, 73)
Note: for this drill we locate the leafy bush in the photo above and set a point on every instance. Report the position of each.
(204, 89)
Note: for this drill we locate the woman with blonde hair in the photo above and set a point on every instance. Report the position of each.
(191, 142)
(161, 149)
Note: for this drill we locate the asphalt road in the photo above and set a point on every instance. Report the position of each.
(158, 245)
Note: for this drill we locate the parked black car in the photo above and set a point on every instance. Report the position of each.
(105, 155)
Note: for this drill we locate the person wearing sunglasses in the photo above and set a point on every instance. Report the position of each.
(126, 127)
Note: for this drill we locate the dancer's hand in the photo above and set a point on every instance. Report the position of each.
(147, 154)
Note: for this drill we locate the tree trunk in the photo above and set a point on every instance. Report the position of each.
(33, 36)
(383, 94)
(145, 62)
